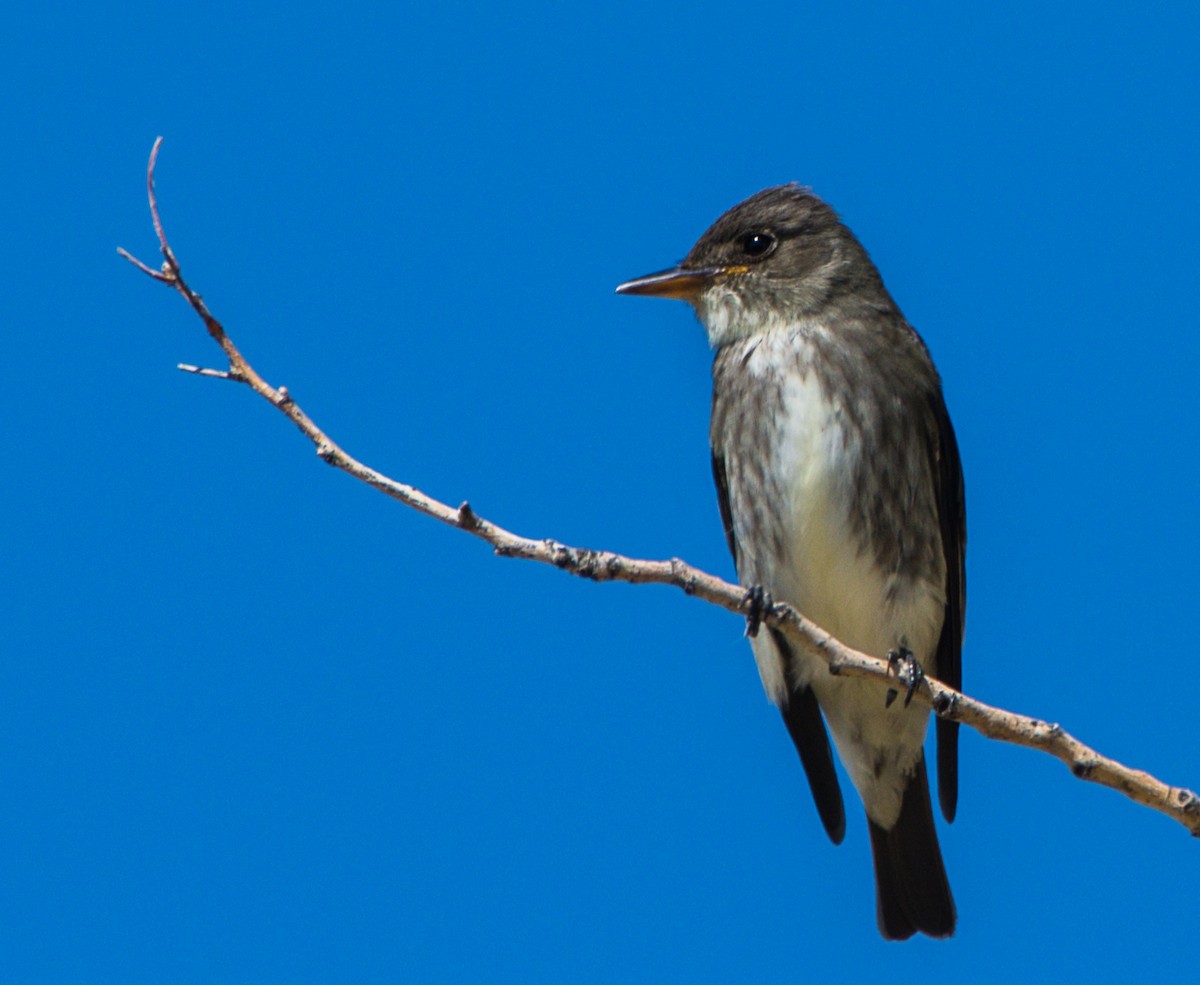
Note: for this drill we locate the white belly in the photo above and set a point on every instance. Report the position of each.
(824, 573)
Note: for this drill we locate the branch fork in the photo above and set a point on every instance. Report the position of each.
(1179, 803)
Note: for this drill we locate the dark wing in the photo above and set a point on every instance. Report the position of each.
(722, 481)
(952, 511)
(801, 714)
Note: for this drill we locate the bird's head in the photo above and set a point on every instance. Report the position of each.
(776, 260)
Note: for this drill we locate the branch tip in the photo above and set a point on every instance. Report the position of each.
(216, 374)
(149, 271)
(1179, 803)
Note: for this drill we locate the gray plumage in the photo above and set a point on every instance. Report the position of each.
(841, 492)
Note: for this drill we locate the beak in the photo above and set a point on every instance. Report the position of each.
(678, 282)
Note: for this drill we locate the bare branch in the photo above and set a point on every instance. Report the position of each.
(1084, 762)
(218, 374)
(156, 274)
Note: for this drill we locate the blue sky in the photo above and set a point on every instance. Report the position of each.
(258, 723)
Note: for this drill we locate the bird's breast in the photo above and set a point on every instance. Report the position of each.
(805, 493)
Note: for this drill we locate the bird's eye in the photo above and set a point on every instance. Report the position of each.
(758, 245)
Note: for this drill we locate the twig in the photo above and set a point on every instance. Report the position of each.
(1084, 762)
(219, 374)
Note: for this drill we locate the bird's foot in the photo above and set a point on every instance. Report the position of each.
(757, 601)
(908, 671)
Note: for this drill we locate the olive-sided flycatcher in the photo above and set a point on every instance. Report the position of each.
(840, 488)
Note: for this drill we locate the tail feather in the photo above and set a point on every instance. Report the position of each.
(912, 892)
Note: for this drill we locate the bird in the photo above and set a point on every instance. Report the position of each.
(841, 493)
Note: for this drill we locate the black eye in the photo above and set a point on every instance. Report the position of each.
(758, 245)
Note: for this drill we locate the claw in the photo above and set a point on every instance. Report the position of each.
(908, 671)
(757, 601)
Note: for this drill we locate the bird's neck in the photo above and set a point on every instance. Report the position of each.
(727, 318)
